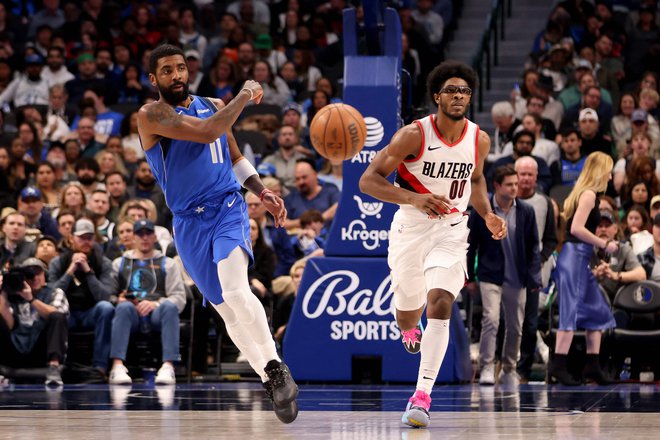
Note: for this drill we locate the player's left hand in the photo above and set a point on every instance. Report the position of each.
(496, 225)
(275, 205)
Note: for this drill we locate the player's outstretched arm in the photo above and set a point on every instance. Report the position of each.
(479, 197)
(159, 119)
(405, 143)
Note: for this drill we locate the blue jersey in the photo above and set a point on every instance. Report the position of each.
(193, 174)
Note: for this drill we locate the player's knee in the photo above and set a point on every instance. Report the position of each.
(237, 300)
(440, 303)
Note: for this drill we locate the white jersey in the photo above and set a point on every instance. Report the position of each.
(440, 167)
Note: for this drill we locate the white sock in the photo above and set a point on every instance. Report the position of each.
(434, 346)
(232, 273)
(242, 340)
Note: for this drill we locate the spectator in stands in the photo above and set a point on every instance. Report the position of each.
(637, 193)
(29, 136)
(640, 145)
(122, 241)
(73, 199)
(139, 209)
(246, 59)
(46, 249)
(308, 73)
(259, 10)
(57, 118)
(641, 123)
(591, 98)
(221, 80)
(536, 106)
(592, 139)
(195, 74)
(87, 141)
(332, 172)
(145, 187)
(288, 73)
(292, 116)
(131, 90)
(50, 15)
(87, 171)
(310, 240)
(28, 87)
(546, 149)
(523, 144)
(108, 122)
(553, 109)
(33, 323)
(260, 274)
(523, 91)
(56, 157)
(432, 22)
(285, 305)
(275, 238)
(151, 297)
(264, 45)
(621, 126)
(14, 249)
(287, 155)
(37, 218)
(109, 162)
(502, 115)
(544, 213)
(640, 169)
(310, 194)
(20, 170)
(504, 270)
(115, 183)
(46, 183)
(55, 71)
(85, 275)
(640, 39)
(85, 80)
(650, 256)
(648, 101)
(555, 65)
(276, 92)
(99, 206)
(131, 150)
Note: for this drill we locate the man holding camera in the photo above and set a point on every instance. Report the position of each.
(33, 320)
(86, 277)
(14, 249)
(152, 296)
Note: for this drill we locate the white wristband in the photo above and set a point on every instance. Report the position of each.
(243, 170)
(251, 93)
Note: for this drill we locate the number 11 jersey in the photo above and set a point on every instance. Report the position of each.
(193, 174)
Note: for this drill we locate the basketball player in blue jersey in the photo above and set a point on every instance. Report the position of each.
(188, 142)
(439, 161)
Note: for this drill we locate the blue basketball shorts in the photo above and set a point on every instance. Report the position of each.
(206, 235)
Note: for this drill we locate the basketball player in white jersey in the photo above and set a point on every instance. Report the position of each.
(439, 162)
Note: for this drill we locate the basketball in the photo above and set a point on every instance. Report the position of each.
(338, 132)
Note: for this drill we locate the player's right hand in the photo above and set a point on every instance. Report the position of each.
(255, 88)
(433, 205)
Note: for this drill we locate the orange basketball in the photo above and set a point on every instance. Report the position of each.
(338, 132)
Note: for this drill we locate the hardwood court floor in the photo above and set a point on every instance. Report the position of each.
(239, 411)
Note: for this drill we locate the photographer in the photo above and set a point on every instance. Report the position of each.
(33, 320)
(152, 296)
(85, 275)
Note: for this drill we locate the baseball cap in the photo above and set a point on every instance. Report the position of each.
(545, 82)
(606, 214)
(654, 200)
(263, 41)
(30, 192)
(588, 113)
(266, 169)
(83, 226)
(292, 106)
(34, 262)
(86, 56)
(583, 64)
(638, 115)
(143, 224)
(34, 59)
(192, 53)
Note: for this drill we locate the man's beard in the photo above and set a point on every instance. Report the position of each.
(171, 97)
(453, 117)
(34, 78)
(145, 181)
(86, 180)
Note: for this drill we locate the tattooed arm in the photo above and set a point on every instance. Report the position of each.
(159, 119)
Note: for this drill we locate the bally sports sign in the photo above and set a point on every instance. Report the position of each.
(345, 308)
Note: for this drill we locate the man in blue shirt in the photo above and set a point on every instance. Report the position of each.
(310, 194)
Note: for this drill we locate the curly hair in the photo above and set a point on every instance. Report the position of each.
(446, 70)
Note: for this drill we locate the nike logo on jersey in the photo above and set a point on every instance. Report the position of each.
(431, 148)
(230, 204)
(427, 378)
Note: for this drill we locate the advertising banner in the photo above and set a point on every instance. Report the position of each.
(344, 309)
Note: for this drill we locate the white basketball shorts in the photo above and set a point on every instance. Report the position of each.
(427, 255)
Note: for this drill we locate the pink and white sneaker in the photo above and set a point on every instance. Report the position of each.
(417, 410)
(412, 339)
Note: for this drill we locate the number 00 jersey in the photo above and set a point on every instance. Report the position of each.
(190, 173)
(440, 167)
